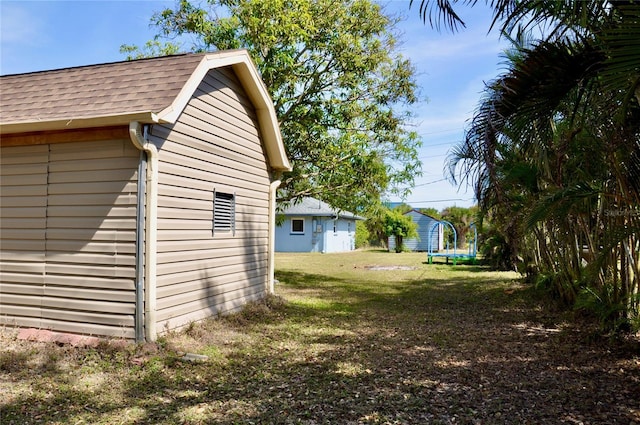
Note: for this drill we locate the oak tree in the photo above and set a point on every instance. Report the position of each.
(341, 89)
(400, 226)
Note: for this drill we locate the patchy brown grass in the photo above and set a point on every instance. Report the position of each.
(358, 338)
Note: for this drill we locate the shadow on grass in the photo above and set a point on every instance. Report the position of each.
(306, 280)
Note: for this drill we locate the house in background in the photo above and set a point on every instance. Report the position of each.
(314, 226)
(136, 196)
(430, 230)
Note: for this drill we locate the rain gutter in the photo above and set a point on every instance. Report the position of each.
(149, 233)
(140, 215)
(273, 188)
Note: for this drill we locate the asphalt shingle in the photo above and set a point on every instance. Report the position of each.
(316, 207)
(95, 90)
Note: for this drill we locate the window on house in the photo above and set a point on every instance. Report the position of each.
(297, 225)
(224, 212)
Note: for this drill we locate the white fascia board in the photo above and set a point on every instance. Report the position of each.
(251, 81)
(146, 117)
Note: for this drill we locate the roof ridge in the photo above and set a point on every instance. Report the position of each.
(323, 208)
(95, 65)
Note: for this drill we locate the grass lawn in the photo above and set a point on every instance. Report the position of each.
(358, 338)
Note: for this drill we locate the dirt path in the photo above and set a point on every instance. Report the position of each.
(473, 357)
(456, 345)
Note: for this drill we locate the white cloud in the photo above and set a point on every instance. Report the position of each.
(452, 111)
(467, 45)
(19, 26)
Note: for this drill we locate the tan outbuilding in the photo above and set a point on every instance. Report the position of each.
(138, 196)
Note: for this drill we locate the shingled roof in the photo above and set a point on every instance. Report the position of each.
(146, 91)
(317, 208)
(97, 90)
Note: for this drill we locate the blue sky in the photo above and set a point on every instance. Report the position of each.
(452, 67)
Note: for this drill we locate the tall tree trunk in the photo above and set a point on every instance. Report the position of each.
(399, 243)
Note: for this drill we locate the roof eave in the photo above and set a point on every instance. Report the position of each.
(322, 214)
(145, 117)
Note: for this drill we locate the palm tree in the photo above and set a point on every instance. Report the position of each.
(461, 218)
(615, 23)
(553, 150)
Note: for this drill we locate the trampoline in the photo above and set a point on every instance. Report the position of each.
(455, 255)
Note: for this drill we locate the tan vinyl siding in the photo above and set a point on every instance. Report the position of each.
(24, 197)
(92, 190)
(23, 187)
(221, 269)
(69, 266)
(214, 145)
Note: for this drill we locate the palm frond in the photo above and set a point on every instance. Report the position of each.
(442, 12)
(621, 44)
(560, 203)
(555, 19)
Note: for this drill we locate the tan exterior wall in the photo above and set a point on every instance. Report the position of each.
(215, 145)
(68, 220)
